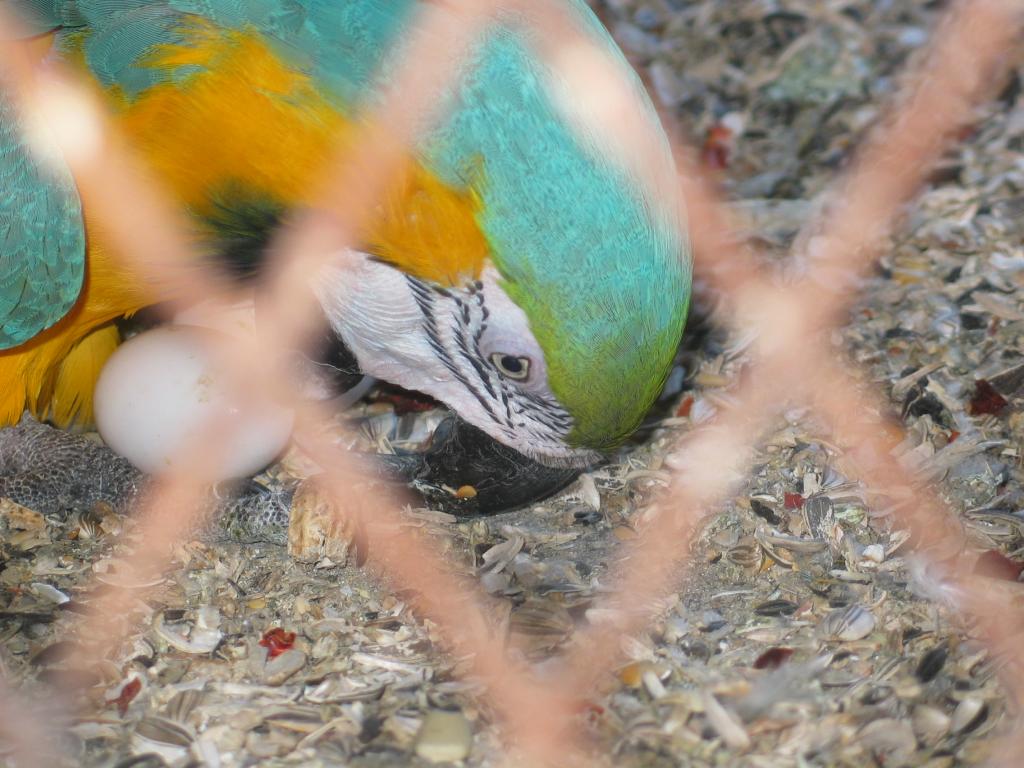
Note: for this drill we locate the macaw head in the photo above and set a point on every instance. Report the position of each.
(532, 278)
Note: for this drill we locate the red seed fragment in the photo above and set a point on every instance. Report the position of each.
(128, 692)
(277, 641)
(986, 399)
(793, 501)
(684, 407)
(717, 147)
(773, 658)
(953, 435)
(965, 133)
(996, 565)
(404, 404)
(589, 709)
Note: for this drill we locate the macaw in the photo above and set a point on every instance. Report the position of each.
(515, 272)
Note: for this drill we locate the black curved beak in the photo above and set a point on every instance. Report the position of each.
(461, 456)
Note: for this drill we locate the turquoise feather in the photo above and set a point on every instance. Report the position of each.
(42, 240)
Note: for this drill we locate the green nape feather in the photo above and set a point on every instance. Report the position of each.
(42, 237)
(240, 226)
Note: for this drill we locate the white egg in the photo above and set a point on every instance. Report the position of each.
(157, 392)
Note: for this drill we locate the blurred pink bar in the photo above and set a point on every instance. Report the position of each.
(28, 733)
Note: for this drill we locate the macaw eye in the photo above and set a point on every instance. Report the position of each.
(515, 368)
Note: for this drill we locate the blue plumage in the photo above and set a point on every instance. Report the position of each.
(42, 253)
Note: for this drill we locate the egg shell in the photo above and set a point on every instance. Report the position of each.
(159, 389)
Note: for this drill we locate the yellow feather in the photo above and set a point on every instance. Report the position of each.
(71, 402)
(251, 121)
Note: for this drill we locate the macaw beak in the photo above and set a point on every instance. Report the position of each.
(461, 455)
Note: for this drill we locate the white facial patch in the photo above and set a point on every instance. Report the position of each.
(460, 345)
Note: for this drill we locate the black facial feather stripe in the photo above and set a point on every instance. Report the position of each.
(549, 420)
(473, 359)
(425, 300)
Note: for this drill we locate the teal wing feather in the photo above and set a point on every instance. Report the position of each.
(42, 237)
